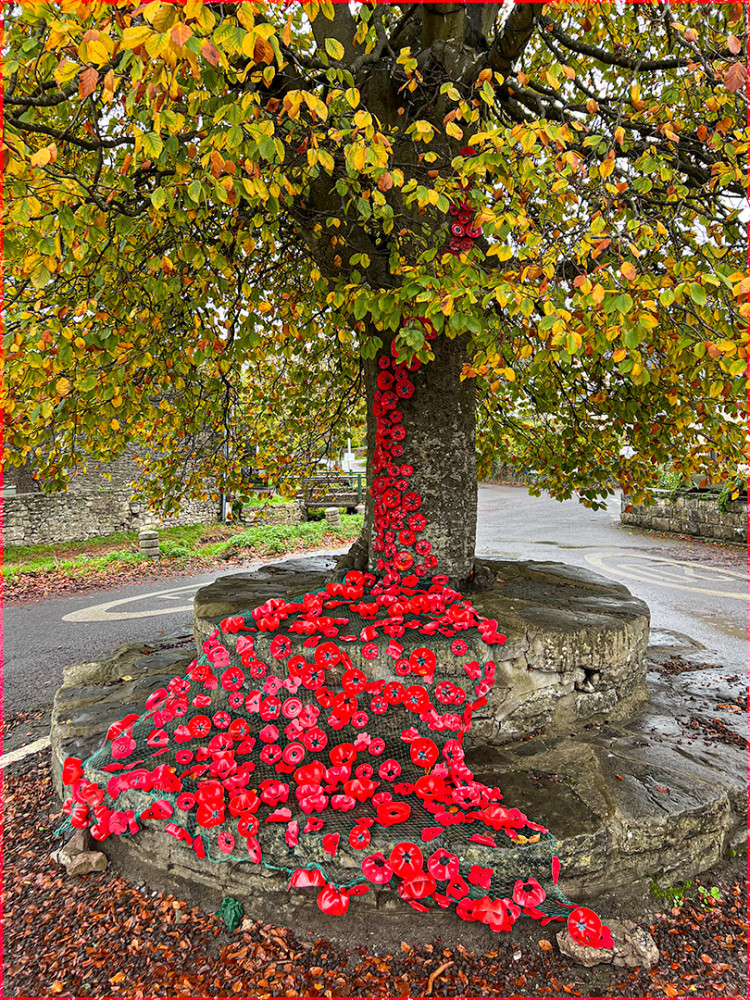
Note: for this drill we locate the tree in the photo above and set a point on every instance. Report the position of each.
(281, 181)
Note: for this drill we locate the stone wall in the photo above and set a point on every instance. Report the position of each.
(273, 514)
(52, 518)
(691, 513)
(115, 475)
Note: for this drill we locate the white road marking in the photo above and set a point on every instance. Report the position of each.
(101, 612)
(27, 751)
(648, 574)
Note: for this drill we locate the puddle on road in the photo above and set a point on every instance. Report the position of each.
(717, 620)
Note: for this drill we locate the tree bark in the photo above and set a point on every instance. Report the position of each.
(439, 444)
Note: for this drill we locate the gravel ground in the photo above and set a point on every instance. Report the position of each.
(98, 936)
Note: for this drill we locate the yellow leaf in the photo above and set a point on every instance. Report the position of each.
(132, 38)
(598, 294)
(115, 425)
(62, 386)
(352, 96)
(357, 157)
(97, 53)
(326, 160)
(628, 271)
(42, 157)
(334, 48)
(619, 354)
(606, 167)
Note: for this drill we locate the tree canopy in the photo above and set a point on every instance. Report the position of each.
(216, 211)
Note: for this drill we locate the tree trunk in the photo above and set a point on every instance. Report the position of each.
(438, 442)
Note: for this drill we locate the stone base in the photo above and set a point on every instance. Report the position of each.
(574, 655)
(659, 796)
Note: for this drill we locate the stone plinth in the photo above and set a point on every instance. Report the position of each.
(661, 796)
(575, 649)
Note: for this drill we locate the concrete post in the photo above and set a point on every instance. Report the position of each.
(148, 543)
(333, 517)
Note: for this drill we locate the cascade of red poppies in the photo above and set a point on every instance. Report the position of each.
(322, 736)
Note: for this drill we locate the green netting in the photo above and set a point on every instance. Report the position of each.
(309, 704)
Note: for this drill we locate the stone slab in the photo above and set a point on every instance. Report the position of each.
(575, 649)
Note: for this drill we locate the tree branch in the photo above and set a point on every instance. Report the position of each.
(510, 43)
(606, 57)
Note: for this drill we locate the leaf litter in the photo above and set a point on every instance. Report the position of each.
(99, 936)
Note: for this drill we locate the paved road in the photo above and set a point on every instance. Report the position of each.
(698, 588)
(691, 587)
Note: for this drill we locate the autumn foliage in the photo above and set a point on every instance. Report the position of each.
(217, 212)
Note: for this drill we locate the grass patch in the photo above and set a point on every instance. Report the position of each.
(194, 544)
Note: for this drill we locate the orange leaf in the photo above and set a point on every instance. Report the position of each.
(545, 945)
(262, 52)
(56, 987)
(87, 82)
(735, 77)
(118, 978)
(210, 52)
(180, 33)
(628, 271)
(734, 45)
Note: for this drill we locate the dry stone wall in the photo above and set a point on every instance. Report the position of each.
(691, 513)
(273, 514)
(48, 519)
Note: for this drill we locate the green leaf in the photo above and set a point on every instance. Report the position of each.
(40, 276)
(152, 145)
(158, 197)
(698, 294)
(195, 191)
